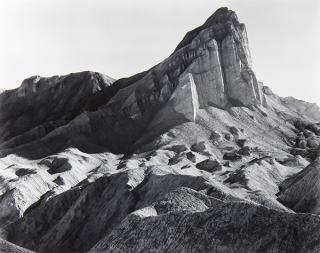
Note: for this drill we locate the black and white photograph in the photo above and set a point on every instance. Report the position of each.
(161, 126)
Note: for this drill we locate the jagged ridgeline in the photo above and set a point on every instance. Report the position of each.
(192, 155)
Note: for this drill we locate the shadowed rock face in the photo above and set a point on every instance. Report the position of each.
(302, 192)
(192, 155)
(7, 247)
(41, 105)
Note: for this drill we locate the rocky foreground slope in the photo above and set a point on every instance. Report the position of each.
(193, 155)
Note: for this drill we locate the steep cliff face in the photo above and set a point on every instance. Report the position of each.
(233, 80)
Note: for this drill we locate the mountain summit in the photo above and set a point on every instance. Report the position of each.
(210, 67)
(192, 155)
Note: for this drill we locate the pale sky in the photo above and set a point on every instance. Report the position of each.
(122, 37)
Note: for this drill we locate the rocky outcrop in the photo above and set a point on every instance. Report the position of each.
(183, 104)
(301, 192)
(209, 165)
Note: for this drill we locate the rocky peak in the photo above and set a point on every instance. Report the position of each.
(217, 56)
(220, 22)
(211, 66)
(226, 39)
